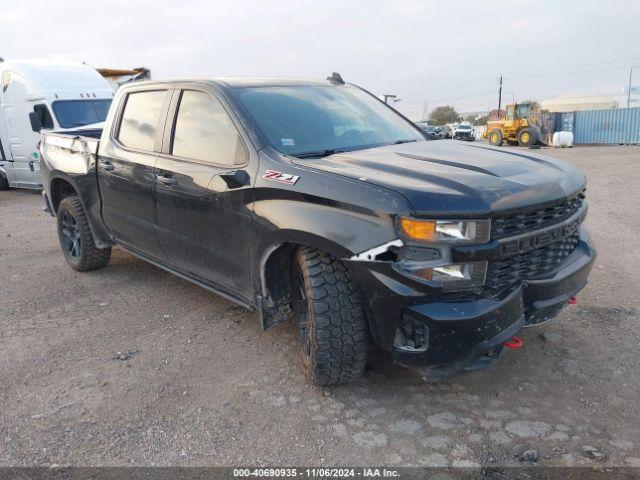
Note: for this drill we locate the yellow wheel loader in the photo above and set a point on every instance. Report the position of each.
(518, 125)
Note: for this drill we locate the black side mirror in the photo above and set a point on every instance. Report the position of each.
(36, 123)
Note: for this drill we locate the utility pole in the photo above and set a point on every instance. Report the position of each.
(425, 110)
(500, 95)
(629, 90)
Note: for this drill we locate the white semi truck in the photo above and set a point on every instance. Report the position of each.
(38, 95)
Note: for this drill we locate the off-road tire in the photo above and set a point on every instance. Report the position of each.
(4, 184)
(532, 137)
(85, 255)
(328, 304)
(495, 137)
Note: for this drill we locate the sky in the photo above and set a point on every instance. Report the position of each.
(428, 53)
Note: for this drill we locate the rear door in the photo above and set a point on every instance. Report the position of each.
(204, 193)
(126, 164)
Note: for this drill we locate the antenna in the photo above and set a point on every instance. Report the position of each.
(336, 79)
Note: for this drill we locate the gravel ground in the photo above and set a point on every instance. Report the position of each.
(130, 365)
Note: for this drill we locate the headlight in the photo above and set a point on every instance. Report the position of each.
(454, 277)
(445, 231)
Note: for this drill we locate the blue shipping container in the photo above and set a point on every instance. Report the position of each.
(566, 122)
(618, 125)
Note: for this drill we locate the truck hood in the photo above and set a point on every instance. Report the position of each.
(449, 178)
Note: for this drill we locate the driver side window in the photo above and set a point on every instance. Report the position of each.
(203, 131)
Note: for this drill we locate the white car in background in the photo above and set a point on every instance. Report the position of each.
(464, 131)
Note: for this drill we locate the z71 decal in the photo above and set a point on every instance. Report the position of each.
(280, 177)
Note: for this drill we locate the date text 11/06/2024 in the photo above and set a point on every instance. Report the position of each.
(316, 472)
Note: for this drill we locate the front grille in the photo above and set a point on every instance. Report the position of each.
(510, 271)
(522, 221)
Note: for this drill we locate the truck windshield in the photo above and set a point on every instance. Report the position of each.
(309, 121)
(77, 113)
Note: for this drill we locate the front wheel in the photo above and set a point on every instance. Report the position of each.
(332, 328)
(495, 137)
(76, 239)
(4, 184)
(526, 137)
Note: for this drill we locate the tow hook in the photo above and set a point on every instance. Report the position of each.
(514, 343)
(572, 301)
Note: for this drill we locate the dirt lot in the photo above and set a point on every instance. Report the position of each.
(130, 365)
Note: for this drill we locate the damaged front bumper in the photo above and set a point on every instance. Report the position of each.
(458, 332)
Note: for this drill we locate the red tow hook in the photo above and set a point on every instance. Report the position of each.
(514, 343)
(572, 301)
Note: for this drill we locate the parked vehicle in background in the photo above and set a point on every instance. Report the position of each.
(445, 131)
(430, 132)
(317, 202)
(40, 95)
(433, 130)
(464, 131)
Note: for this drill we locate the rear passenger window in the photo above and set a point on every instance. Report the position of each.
(139, 123)
(204, 131)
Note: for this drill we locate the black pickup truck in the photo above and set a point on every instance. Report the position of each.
(318, 202)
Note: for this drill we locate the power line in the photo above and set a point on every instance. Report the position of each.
(548, 72)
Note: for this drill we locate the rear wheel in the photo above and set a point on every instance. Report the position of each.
(526, 137)
(76, 239)
(495, 137)
(332, 327)
(4, 184)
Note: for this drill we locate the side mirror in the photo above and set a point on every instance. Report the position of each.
(36, 123)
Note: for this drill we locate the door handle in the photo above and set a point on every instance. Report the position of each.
(168, 181)
(108, 166)
(235, 179)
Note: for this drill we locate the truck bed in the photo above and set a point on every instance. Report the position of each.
(69, 152)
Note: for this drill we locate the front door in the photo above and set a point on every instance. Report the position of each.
(204, 193)
(22, 156)
(509, 121)
(126, 170)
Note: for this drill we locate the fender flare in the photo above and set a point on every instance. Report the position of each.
(273, 301)
(93, 209)
(281, 238)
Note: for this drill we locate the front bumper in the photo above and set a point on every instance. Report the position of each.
(463, 136)
(457, 331)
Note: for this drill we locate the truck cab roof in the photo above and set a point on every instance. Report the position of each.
(235, 82)
(48, 78)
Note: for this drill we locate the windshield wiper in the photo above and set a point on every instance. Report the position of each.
(319, 153)
(333, 151)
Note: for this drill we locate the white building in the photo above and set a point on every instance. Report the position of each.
(573, 104)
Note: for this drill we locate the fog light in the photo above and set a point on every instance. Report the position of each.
(454, 277)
